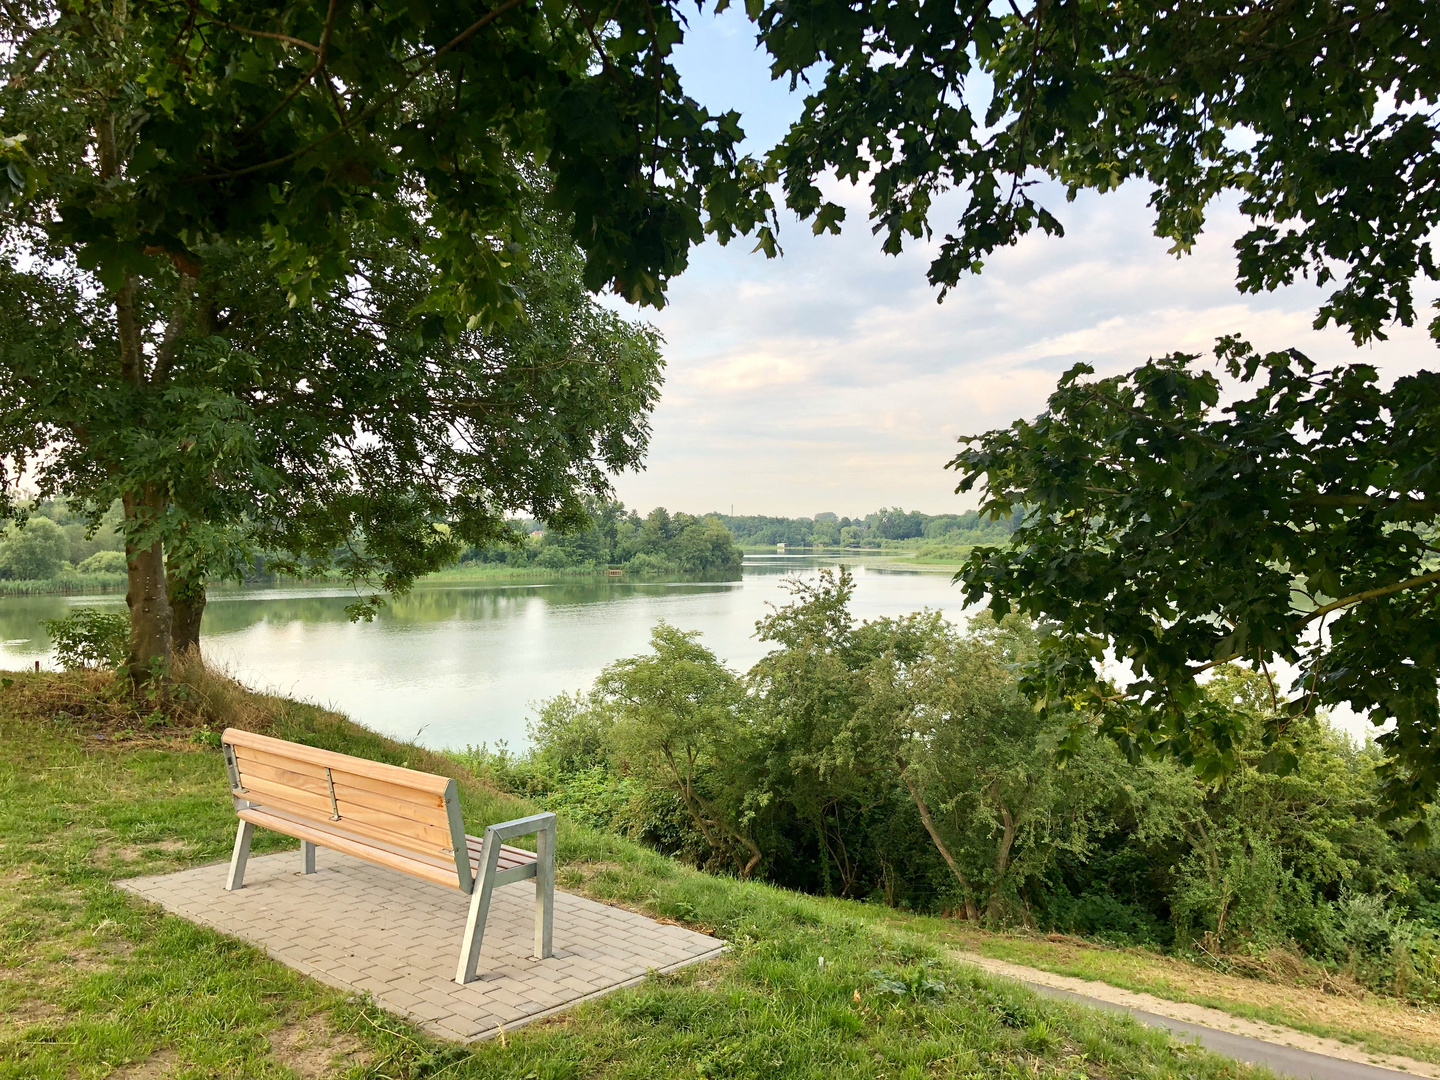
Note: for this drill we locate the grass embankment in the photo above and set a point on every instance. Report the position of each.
(478, 571)
(96, 983)
(942, 554)
(1277, 987)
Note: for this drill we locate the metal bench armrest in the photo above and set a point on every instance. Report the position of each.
(521, 826)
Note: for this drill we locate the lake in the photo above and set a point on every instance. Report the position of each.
(455, 665)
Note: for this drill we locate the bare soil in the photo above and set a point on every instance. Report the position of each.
(314, 1050)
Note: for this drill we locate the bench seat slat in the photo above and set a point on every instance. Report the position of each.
(393, 774)
(438, 869)
(509, 856)
(342, 829)
(350, 844)
(424, 797)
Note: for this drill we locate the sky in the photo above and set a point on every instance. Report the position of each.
(831, 380)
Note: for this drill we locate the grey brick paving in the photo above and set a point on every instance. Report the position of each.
(364, 928)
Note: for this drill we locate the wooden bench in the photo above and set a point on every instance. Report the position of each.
(397, 818)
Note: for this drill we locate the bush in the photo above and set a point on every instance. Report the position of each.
(1098, 914)
(645, 563)
(90, 638)
(103, 562)
(554, 558)
(36, 551)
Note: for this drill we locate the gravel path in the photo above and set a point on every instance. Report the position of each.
(1284, 1050)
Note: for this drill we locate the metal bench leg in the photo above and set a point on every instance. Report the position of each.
(307, 857)
(236, 879)
(479, 909)
(545, 892)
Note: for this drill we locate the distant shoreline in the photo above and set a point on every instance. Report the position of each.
(99, 584)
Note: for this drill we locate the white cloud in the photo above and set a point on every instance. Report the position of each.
(749, 371)
(832, 380)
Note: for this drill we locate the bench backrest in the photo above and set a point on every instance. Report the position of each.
(405, 811)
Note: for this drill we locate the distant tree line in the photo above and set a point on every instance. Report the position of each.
(663, 542)
(898, 761)
(56, 548)
(56, 541)
(659, 543)
(56, 545)
(895, 524)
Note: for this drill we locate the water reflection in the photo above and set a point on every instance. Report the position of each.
(462, 664)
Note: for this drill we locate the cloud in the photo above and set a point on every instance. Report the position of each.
(748, 371)
(831, 378)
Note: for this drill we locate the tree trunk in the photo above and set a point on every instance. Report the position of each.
(149, 602)
(187, 606)
(972, 913)
(187, 609)
(993, 910)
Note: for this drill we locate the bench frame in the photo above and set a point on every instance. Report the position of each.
(480, 889)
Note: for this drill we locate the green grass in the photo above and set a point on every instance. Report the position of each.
(478, 571)
(943, 554)
(92, 979)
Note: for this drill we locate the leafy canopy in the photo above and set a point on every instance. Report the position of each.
(288, 124)
(1318, 116)
(350, 433)
(1297, 524)
(137, 134)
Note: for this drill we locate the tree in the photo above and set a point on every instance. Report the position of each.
(33, 551)
(146, 143)
(979, 762)
(1321, 118)
(1261, 852)
(822, 757)
(678, 725)
(350, 433)
(1295, 524)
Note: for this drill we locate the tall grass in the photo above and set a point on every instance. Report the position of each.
(66, 584)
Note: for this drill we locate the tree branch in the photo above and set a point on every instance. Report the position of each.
(364, 114)
(1423, 506)
(314, 70)
(971, 912)
(286, 38)
(1369, 594)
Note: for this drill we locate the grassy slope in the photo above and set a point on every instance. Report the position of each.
(91, 979)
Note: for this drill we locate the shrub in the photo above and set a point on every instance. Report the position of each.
(645, 563)
(90, 638)
(103, 562)
(554, 558)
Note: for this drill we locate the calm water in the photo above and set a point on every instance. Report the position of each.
(457, 665)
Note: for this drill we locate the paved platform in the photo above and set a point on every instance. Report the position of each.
(363, 928)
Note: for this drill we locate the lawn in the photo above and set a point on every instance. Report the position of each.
(95, 983)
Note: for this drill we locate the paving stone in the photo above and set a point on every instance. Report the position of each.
(363, 928)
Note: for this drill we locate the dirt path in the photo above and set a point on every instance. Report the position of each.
(1200, 1016)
